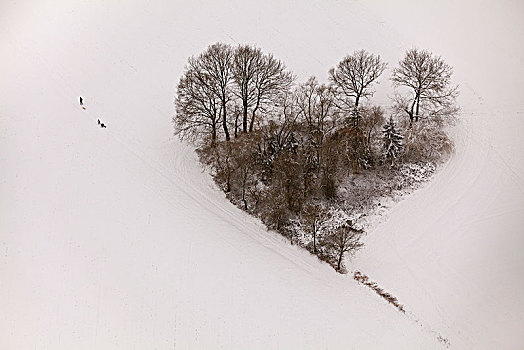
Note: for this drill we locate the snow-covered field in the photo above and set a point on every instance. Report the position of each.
(114, 238)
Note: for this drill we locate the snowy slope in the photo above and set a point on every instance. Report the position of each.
(452, 252)
(114, 238)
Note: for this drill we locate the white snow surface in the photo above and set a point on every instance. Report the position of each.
(115, 238)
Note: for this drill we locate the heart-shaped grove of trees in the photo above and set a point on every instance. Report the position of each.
(310, 159)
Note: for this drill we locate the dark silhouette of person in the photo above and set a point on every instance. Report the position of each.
(81, 101)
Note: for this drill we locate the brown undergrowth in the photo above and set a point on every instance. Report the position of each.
(363, 279)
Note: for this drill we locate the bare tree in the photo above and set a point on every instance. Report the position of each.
(353, 79)
(374, 117)
(237, 113)
(221, 158)
(316, 113)
(197, 110)
(314, 216)
(271, 82)
(428, 77)
(280, 131)
(244, 158)
(214, 68)
(215, 77)
(315, 107)
(247, 65)
(344, 239)
(259, 80)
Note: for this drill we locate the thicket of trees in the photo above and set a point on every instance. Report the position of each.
(280, 149)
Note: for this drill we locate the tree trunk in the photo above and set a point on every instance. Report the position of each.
(418, 107)
(213, 134)
(341, 254)
(244, 117)
(228, 184)
(224, 122)
(314, 241)
(236, 124)
(357, 117)
(252, 121)
(410, 112)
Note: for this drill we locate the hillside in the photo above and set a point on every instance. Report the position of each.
(115, 238)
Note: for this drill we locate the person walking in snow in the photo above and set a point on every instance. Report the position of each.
(81, 101)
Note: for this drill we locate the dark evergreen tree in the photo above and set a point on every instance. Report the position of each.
(392, 141)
